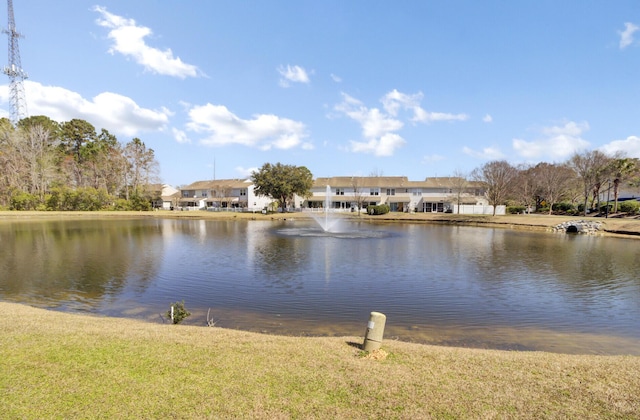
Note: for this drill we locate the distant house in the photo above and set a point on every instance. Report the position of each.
(443, 194)
(163, 196)
(222, 194)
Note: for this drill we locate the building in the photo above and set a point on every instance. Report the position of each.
(222, 194)
(440, 194)
(435, 195)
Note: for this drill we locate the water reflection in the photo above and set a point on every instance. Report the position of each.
(447, 285)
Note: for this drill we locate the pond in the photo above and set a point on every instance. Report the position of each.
(444, 285)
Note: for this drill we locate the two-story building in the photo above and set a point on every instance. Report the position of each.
(346, 193)
(440, 194)
(222, 194)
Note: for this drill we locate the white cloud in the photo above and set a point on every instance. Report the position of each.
(487, 118)
(116, 113)
(488, 153)
(246, 172)
(180, 136)
(558, 142)
(221, 127)
(394, 101)
(129, 40)
(626, 36)
(292, 74)
(426, 117)
(378, 128)
(630, 147)
(382, 146)
(336, 79)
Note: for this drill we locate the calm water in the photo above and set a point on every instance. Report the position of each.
(466, 286)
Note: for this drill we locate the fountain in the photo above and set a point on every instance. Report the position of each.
(329, 225)
(332, 226)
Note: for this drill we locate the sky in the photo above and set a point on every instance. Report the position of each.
(346, 88)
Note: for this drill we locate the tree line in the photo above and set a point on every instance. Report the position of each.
(48, 165)
(578, 185)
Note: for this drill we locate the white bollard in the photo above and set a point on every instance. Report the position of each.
(375, 331)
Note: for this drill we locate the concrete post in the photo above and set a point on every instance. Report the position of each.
(375, 331)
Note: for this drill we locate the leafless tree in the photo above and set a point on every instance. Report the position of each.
(460, 185)
(525, 190)
(497, 177)
(359, 196)
(553, 182)
(590, 168)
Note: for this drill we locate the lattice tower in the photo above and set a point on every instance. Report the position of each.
(14, 70)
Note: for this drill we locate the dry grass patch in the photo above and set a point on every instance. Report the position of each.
(63, 365)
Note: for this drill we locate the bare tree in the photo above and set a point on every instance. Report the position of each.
(553, 181)
(525, 189)
(497, 177)
(358, 192)
(589, 167)
(459, 185)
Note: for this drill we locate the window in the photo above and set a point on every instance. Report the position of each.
(187, 193)
(339, 191)
(417, 191)
(374, 191)
(243, 192)
(391, 191)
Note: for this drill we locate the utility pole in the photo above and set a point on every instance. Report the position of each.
(14, 70)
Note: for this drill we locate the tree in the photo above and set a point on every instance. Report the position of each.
(497, 177)
(552, 182)
(141, 167)
(621, 170)
(525, 190)
(589, 166)
(358, 192)
(282, 182)
(53, 127)
(459, 186)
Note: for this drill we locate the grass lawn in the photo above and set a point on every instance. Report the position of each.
(60, 365)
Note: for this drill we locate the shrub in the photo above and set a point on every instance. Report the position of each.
(179, 312)
(566, 207)
(21, 200)
(515, 209)
(630, 206)
(377, 210)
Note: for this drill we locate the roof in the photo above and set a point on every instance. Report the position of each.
(391, 182)
(217, 184)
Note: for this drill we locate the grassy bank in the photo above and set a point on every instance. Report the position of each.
(65, 365)
(613, 226)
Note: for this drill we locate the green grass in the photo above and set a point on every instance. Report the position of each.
(57, 365)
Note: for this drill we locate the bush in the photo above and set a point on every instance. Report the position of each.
(515, 209)
(377, 210)
(629, 207)
(21, 200)
(565, 207)
(179, 312)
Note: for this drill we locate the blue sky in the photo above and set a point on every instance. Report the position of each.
(412, 88)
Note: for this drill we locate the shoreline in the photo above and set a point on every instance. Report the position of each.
(627, 227)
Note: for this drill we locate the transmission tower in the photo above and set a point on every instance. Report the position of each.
(14, 70)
